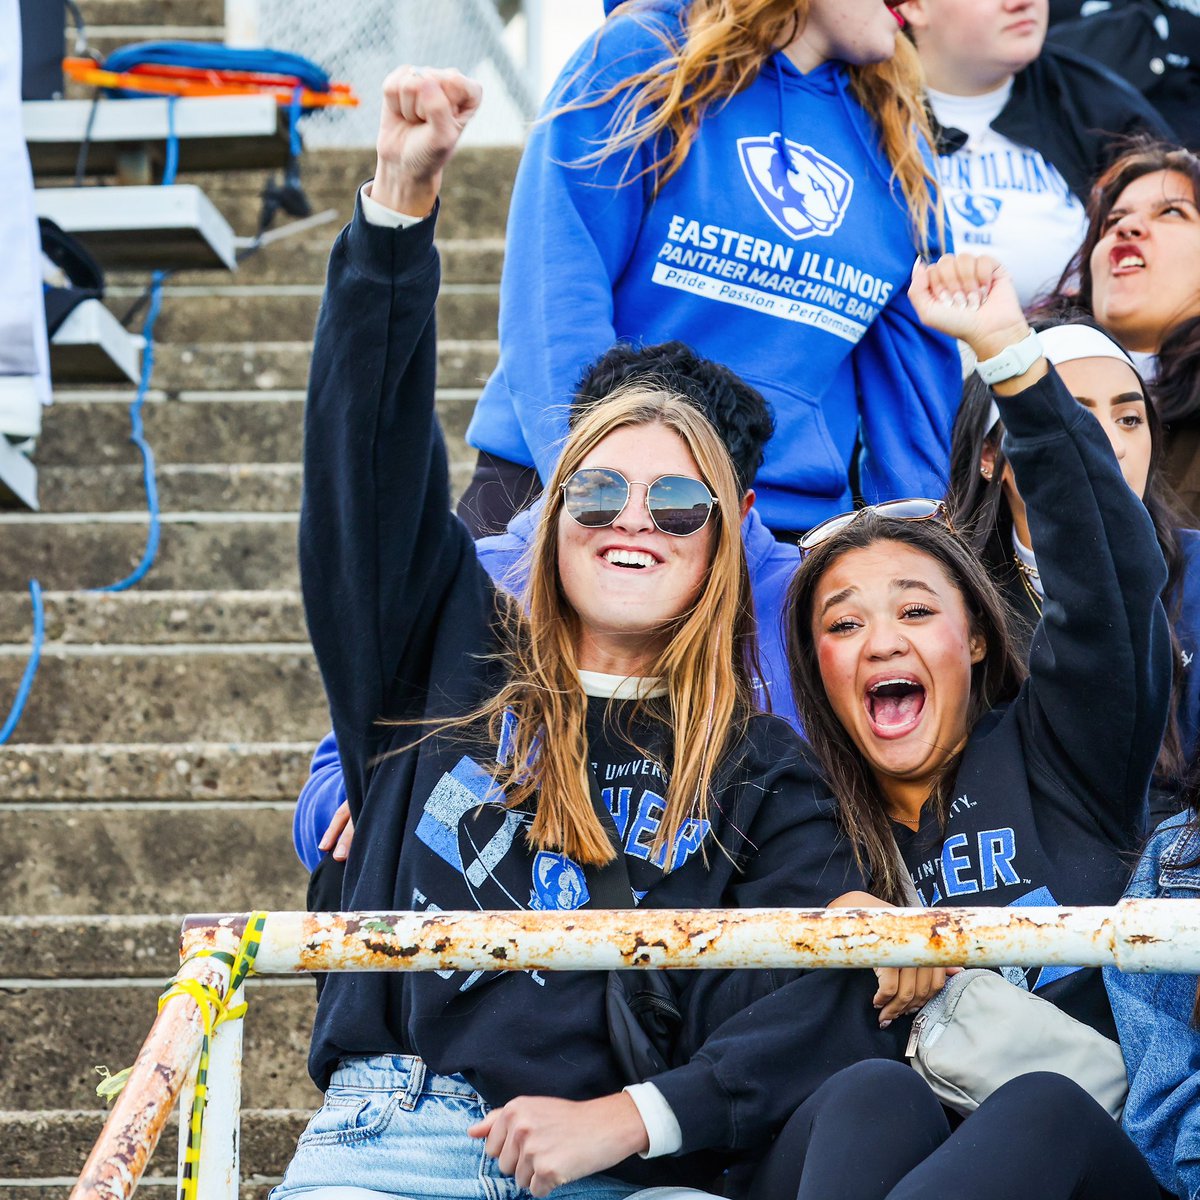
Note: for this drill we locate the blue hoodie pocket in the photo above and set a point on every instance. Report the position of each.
(801, 457)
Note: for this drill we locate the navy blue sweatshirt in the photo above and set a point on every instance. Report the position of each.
(403, 619)
(1049, 801)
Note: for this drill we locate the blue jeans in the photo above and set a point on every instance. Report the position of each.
(390, 1128)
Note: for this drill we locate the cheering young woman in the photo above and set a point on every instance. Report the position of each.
(596, 745)
(994, 791)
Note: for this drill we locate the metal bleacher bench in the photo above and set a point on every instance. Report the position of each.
(137, 225)
(216, 133)
(156, 228)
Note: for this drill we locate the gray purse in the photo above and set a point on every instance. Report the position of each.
(980, 1031)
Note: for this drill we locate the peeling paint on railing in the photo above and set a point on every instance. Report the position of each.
(1136, 935)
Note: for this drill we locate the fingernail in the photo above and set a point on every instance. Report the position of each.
(960, 300)
(944, 297)
(973, 300)
(884, 1024)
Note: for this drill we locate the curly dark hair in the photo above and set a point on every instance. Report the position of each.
(738, 412)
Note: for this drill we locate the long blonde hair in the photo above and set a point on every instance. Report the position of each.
(726, 44)
(706, 663)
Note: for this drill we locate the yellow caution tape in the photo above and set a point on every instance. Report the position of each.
(214, 1011)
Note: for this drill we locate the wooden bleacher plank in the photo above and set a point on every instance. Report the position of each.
(156, 228)
(217, 133)
(91, 346)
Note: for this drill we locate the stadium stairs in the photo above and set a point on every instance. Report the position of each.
(169, 728)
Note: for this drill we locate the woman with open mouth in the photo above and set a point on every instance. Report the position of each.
(995, 789)
(1138, 273)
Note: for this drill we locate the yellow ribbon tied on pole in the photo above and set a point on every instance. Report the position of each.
(214, 1011)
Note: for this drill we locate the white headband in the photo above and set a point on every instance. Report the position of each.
(1066, 343)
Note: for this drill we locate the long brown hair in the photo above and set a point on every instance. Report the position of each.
(725, 45)
(994, 679)
(706, 662)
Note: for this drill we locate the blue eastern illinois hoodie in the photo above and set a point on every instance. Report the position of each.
(781, 248)
(771, 565)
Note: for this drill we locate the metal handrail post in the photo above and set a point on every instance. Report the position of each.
(220, 1175)
(119, 1158)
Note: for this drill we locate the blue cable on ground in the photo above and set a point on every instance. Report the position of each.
(137, 437)
(35, 657)
(137, 430)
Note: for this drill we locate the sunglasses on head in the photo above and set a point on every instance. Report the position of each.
(595, 497)
(914, 509)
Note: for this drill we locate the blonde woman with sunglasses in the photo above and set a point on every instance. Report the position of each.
(591, 744)
(994, 788)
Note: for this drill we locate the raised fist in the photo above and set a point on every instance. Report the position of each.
(969, 297)
(424, 113)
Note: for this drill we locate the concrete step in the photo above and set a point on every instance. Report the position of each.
(475, 198)
(149, 858)
(224, 551)
(279, 312)
(152, 1187)
(304, 258)
(86, 428)
(89, 947)
(214, 487)
(152, 12)
(57, 1142)
(284, 364)
(97, 772)
(53, 1034)
(155, 618)
(169, 693)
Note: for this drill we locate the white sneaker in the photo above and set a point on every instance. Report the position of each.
(20, 407)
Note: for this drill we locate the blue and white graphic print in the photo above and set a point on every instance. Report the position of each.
(558, 883)
(802, 191)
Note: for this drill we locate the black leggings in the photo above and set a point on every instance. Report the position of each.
(876, 1130)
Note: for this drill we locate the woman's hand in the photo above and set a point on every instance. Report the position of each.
(970, 298)
(424, 113)
(339, 833)
(544, 1143)
(901, 989)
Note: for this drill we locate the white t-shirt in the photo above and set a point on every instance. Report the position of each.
(1005, 199)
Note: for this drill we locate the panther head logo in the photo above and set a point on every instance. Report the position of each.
(975, 209)
(802, 191)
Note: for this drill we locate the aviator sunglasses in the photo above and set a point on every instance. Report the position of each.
(914, 509)
(595, 497)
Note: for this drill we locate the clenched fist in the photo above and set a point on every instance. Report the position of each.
(424, 113)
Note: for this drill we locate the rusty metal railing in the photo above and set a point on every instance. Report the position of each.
(1135, 935)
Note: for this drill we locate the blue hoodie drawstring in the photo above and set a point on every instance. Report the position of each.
(781, 145)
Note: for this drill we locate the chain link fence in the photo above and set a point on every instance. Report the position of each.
(360, 41)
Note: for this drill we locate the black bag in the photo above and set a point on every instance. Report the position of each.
(642, 1008)
(85, 277)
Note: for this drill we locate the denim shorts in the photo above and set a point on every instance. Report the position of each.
(390, 1128)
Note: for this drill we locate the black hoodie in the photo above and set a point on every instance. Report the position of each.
(403, 620)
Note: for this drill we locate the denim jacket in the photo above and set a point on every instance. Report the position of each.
(1153, 1015)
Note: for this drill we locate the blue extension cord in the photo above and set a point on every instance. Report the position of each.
(137, 437)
